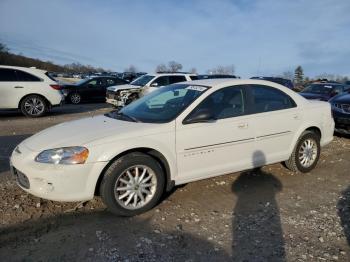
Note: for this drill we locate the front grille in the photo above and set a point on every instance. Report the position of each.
(21, 178)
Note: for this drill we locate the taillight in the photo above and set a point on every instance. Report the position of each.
(56, 87)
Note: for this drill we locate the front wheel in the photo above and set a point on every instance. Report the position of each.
(75, 98)
(305, 154)
(132, 184)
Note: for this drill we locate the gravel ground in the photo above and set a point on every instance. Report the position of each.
(268, 214)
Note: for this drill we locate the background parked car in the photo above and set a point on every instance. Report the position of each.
(120, 96)
(31, 90)
(282, 81)
(323, 91)
(90, 89)
(341, 112)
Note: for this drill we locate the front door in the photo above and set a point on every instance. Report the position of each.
(220, 146)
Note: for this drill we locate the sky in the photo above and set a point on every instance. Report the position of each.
(259, 37)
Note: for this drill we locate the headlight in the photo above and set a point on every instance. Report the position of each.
(64, 155)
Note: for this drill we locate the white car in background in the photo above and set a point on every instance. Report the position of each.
(31, 90)
(122, 95)
(178, 134)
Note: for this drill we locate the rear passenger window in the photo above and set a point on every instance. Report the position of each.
(25, 77)
(176, 79)
(194, 77)
(7, 75)
(266, 99)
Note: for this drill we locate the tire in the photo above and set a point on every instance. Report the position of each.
(115, 177)
(33, 106)
(75, 98)
(295, 162)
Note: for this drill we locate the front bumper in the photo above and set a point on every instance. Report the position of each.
(114, 102)
(54, 182)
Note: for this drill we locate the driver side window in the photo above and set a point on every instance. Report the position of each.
(161, 81)
(225, 103)
(95, 83)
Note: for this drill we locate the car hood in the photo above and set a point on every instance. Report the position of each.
(124, 87)
(87, 131)
(344, 98)
(315, 96)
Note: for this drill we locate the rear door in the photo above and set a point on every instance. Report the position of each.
(276, 119)
(8, 88)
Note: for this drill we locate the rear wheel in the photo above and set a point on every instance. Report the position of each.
(132, 184)
(305, 154)
(33, 106)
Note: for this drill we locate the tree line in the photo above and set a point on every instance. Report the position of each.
(9, 58)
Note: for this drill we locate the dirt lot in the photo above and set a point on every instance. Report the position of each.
(260, 215)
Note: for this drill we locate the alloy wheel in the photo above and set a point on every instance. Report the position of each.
(135, 187)
(308, 152)
(34, 106)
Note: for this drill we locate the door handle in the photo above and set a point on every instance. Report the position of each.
(18, 86)
(243, 125)
(296, 116)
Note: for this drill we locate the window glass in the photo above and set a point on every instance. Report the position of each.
(97, 82)
(338, 89)
(176, 79)
(161, 81)
(142, 80)
(194, 77)
(25, 77)
(110, 82)
(265, 99)
(7, 75)
(224, 103)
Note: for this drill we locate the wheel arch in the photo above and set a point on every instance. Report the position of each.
(158, 156)
(315, 130)
(46, 100)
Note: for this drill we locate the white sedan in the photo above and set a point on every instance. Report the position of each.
(180, 133)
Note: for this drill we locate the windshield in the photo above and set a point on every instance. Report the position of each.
(162, 105)
(142, 80)
(318, 89)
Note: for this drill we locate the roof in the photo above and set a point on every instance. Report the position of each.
(27, 69)
(171, 73)
(219, 82)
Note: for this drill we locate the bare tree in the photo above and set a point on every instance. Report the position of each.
(3, 48)
(174, 66)
(161, 68)
(131, 69)
(287, 75)
(222, 70)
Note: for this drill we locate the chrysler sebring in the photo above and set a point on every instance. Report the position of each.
(180, 133)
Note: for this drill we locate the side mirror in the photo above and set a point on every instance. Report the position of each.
(200, 116)
(154, 84)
